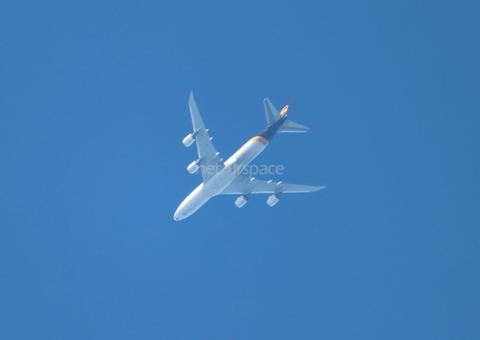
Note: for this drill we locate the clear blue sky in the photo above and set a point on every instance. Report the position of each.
(93, 108)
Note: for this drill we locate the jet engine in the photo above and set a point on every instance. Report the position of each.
(187, 141)
(193, 167)
(272, 200)
(241, 201)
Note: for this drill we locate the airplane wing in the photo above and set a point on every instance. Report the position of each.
(246, 185)
(210, 160)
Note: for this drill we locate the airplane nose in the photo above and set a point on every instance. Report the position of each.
(178, 216)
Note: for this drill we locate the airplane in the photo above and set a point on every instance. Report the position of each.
(225, 177)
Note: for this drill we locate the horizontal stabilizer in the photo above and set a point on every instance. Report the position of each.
(289, 126)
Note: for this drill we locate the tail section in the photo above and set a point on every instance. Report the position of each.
(273, 116)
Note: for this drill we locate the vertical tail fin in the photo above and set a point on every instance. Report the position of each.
(271, 112)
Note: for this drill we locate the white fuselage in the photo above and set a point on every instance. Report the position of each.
(222, 179)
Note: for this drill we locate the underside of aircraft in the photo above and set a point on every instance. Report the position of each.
(225, 177)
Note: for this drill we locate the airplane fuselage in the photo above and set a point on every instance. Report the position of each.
(233, 167)
(222, 179)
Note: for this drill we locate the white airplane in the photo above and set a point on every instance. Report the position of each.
(221, 177)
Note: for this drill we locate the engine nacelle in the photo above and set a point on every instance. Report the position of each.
(193, 167)
(187, 141)
(272, 200)
(241, 201)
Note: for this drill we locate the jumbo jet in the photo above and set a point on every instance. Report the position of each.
(225, 177)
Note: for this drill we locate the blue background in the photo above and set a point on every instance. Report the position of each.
(93, 108)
